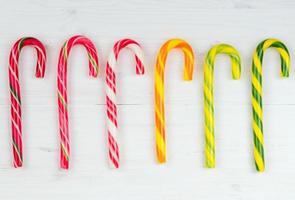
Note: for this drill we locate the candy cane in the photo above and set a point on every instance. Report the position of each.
(111, 102)
(15, 97)
(159, 89)
(62, 90)
(257, 122)
(209, 96)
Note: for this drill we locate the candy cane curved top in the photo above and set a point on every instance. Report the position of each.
(111, 101)
(257, 122)
(209, 96)
(159, 88)
(16, 121)
(62, 90)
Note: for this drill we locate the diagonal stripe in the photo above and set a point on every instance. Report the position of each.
(16, 148)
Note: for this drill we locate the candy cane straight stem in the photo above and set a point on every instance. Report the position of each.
(159, 88)
(62, 90)
(257, 122)
(209, 94)
(16, 121)
(111, 102)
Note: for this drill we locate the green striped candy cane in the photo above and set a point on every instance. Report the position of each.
(209, 97)
(257, 122)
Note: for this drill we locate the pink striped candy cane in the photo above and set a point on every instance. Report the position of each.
(62, 90)
(111, 101)
(15, 97)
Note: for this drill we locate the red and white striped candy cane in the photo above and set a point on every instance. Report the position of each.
(111, 101)
(15, 97)
(62, 90)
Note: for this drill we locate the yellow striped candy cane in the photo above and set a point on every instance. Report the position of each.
(159, 88)
(257, 112)
(209, 97)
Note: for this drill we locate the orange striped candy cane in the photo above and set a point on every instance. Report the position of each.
(159, 88)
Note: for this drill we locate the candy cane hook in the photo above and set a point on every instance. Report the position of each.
(15, 96)
(209, 96)
(62, 90)
(159, 88)
(111, 102)
(257, 112)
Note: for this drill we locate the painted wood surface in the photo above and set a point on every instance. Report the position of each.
(203, 24)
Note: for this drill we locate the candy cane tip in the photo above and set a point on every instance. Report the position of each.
(261, 169)
(140, 73)
(64, 167)
(188, 78)
(40, 76)
(114, 165)
(93, 75)
(285, 75)
(161, 160)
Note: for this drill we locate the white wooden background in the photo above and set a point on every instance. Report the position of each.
(240, 23)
